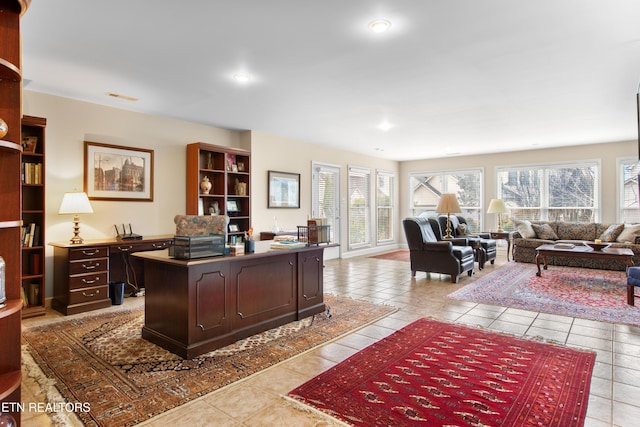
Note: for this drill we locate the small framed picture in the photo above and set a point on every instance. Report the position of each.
(29, 144)
(232, 206)
(233, 228)
(234, 168)
(241, 166)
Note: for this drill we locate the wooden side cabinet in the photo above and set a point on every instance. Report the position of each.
(33, 215)
(81, 279)
(10, 208)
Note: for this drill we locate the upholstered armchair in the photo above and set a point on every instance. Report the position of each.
(486, 248)
(430, 255)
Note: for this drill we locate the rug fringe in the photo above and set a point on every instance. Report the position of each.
(300, 406)
(51, 393)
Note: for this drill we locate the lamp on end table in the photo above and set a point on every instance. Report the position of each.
(497, 206)
(448, 204)
(75, 203)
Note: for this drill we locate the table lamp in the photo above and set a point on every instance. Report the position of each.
(448, 204)
(497, 206)
(75, 203)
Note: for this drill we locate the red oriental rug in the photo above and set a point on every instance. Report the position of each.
(432, 373)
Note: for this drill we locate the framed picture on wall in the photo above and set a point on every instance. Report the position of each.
(284, 190)
(113, 172)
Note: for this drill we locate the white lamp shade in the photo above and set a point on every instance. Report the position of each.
(75, 203)
(448, 204)
(497, 206)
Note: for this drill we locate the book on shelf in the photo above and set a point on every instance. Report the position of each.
(34, 294)
(36, 263)
(31, 235)
(31, 173)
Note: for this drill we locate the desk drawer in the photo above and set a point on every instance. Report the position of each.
(139, 247)
(88, 280)
(84, 253)
(89, 266)
(88, 294)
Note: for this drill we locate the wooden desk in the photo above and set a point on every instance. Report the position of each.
(193, 307)
(81, 273)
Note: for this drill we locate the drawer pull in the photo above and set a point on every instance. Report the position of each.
(91, 267)
(125, 248)
(91, 282)
(91, 253)
(159, 245)
(85, 294)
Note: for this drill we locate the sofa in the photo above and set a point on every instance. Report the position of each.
(531, 234)
(430, 255)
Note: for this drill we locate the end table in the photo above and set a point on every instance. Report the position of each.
(504, 235)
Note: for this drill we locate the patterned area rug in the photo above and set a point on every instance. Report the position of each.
(103, 361)
(433, 373)
(568, 291)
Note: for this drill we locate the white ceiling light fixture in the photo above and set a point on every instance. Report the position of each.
(385, 125)
(379, 25)
(241, 77)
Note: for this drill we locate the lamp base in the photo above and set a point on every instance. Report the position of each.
(76, 239)
(447, 231)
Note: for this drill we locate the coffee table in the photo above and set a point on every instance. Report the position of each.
(620, 254)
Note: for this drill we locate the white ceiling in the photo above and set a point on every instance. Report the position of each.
(453, 77)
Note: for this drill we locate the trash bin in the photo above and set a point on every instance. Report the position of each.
(116, 292)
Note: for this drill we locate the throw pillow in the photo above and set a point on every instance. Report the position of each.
(544, 232)
(612, 233)
(462, 229)
(524, 228)
(629, 233)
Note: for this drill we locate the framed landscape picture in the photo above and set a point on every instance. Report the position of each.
(284, 190)
(113, 172)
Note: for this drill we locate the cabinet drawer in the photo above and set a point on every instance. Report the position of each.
(76, 254)
(88, 294)
(88, 280)
(139, 247)
(89, 266)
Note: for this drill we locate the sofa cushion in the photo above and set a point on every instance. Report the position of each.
(629, 233)
(612, 233)
(544, 231)
(524, 228)
(576, 231)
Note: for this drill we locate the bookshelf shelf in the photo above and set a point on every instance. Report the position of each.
(33, 215)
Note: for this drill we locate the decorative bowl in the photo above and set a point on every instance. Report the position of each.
(597, 246)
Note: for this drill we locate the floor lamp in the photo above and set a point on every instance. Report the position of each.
(497, 206)
(448, 204)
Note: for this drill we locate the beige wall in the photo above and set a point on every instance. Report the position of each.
(606, 154)
(270, 152)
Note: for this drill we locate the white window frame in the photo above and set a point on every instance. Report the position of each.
(621, 186)
(367, 208)
(390, 207)
(544, 188)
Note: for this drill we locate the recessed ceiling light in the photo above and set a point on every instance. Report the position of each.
(379, 25)
(241, 77)
(385, 125)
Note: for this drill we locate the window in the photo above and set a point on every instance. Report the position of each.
(628, 207)
(326, 197)
(384, 206)
(427, 187)
(561, 192)
(359, 207)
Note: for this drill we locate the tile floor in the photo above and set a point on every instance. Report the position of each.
(258, 401)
